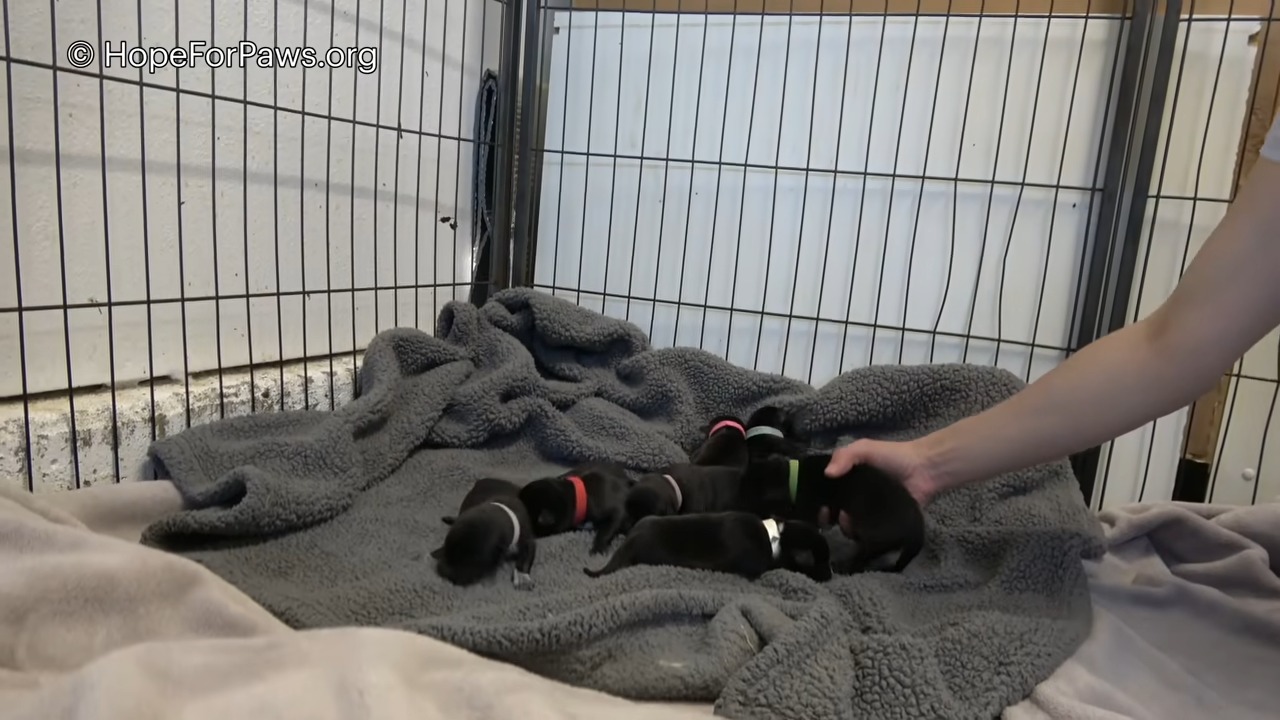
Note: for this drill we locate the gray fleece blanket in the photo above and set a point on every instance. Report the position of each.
(328, 519)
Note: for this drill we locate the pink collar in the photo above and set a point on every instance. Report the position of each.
(727, 423)
(679, 495)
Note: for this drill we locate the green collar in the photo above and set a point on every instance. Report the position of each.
(793, 478)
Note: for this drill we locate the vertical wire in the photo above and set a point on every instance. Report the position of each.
(1094, 192)
(1266, 430)
(773, 203)
(106, 255)
(457, 167)
(355, 115)
(1053, 209)
(617, 128)
(417, 192)
(62, 242)
(715, 203)
(955, 186)
(688, 204)
(666, 174)
(644, 135)
(862, 202)
(435, 232)
(302, 205)
(893, 182)
(213, 210)
(275, 193)
(1235, 184)
(1195, 194)
(991, 187)
(835, 182)
(377, 157)
(586, 171)
(328, 213)
(1106, 467)
(564, 128)
(924, 170)
(1017, 203)
(182, 263)
(804, 203)
(244, 200)
(742, 199)
(1155, 215)
(17, 259)
(395, 183)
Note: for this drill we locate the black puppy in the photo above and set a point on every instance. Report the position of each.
(882, 514)
(594, 493)
(731, 542)
(725, 444)
(770, 431)
(684, 489)
(491, 525)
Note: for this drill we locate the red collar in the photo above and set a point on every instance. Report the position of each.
(579, 500)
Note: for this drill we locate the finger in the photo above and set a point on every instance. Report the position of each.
(842, 461)
(824, 517)
(846, 525)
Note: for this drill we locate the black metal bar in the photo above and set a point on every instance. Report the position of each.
(1144, 83)
(522, 240)
(504, 167)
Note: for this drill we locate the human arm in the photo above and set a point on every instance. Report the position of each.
(1227, 300)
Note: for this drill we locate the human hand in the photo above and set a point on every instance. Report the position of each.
(903, 460)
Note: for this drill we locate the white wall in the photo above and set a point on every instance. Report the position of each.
(289, 203)
(867, 250)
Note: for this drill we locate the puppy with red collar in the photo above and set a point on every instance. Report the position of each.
(591, 495)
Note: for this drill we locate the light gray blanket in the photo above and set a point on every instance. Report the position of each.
(327, 519)
(1186, 620)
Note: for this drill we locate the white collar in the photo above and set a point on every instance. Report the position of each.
(515, 532)
(774, 529)
(679, 495)
(763, 430)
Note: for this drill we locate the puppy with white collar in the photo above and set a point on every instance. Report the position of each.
(492, 525)
(732, 542)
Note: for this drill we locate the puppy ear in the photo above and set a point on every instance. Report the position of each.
(448, 519)
(437, 553)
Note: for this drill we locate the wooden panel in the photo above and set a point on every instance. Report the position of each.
(1238, 8)
(1207, 412)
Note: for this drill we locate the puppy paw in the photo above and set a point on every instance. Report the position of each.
(521, 580)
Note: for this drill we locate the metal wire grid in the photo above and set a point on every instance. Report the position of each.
(1184, 218)
(276, 216)
(696, 313)
(570, 236)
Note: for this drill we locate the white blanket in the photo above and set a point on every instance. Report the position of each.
(94, 626)
(1186, 620)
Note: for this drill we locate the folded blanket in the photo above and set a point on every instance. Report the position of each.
(1186, 620)
(328, 518)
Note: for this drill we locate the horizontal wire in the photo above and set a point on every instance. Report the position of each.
(208, 95)
(235, 296)
(817, 170)
(796, 316)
